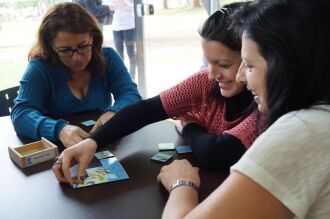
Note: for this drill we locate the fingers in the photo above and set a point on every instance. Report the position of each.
(82, 170)
(82, 135)
(71, 135)
(159, 177)
(66, 164)
(161, 172)
(163, 168)
(57, 169)
(178, 128)
(96, 126)
(76, 137)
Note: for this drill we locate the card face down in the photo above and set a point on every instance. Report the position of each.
(183, 149)
(161, 157)
(103, 154)
(166, 146)
(88, 122)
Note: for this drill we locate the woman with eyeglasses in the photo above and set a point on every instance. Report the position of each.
(219, 117)
(68, 73)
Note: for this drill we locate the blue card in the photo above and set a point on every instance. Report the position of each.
(103, 154)
(88, 122)
(161, 157)
(110, 171)
(115, 168)
(183, 149)
(94, 176)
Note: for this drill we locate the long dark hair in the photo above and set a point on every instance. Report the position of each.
(68, 17)
(294, 38)
(218, 27)
(221, 27)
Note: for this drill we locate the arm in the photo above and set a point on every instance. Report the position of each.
(122, 123)
(120, 84)
(237, 197)
(129, 120)
(96, 9)
(28, 113)
(220, 151)
(126, 3)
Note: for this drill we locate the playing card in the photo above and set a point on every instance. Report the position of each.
(166, 146)
(88, 122)
(183, 149)
(161, 157)
(103, 154)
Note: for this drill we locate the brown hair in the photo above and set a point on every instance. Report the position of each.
(73, 18)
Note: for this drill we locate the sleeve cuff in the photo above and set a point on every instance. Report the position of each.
(59, 126)
(192, 127)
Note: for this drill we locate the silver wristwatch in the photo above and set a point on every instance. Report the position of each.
(182, 182)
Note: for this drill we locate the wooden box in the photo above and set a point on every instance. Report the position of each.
(33, 153)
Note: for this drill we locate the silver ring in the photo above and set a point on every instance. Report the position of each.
(58, 161)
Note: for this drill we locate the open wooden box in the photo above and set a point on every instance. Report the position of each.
(33, 153)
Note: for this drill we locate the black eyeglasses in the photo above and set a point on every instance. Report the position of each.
(68, 53)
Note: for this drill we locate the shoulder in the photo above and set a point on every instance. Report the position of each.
(108, 52)
(38, 66)
(298, 129)
(111, 56)
(200, 75)
(302, 135)
(200, 80)
(39, 62)
(41, 68)
(290, 156)
(305, 122)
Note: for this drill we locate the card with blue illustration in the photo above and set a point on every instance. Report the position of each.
(110, 171)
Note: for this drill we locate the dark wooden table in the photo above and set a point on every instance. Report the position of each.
(34, 192)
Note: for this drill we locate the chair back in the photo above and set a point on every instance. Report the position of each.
(7, 100)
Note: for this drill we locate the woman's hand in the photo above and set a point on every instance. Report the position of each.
(102, 120)
(71, 135)
(178, 170)
(81, 153)
(180, 126)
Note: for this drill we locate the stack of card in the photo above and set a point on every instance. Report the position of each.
(162, 157)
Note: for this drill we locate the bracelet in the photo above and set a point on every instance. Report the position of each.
(182, 182)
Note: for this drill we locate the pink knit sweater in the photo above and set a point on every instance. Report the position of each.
(191, 100)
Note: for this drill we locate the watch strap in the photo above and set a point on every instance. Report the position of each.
(182, 182)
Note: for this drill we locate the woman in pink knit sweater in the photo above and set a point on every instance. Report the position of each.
(219, 117)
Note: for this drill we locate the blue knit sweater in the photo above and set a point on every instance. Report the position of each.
(44, 93)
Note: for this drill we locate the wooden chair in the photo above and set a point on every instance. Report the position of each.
(7, 100)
